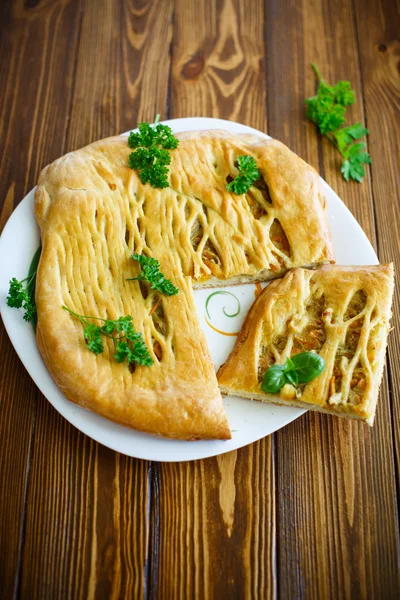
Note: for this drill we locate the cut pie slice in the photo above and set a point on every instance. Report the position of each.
(340, 313)
(94, 212)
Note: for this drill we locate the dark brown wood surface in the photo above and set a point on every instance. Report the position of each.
(309, 512)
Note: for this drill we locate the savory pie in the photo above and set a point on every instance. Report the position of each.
(342, 314)
(94, 212)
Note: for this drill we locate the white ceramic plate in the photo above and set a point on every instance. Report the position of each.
(249, 421)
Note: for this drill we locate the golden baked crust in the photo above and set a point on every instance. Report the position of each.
(342, 313)
(93, 212)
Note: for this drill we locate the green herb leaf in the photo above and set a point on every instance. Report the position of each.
(137, 352)
(248, 173)
(327, 110)
(108, 327)
(16, 294)
(144, 137)
(343, 93)
(248, 166)
(146, 261)
(301, 368)
(288, 366)
(129, 344)
(352, 166)
(240, 185)
(140, 354)
(164, 136)
(151, 156)
(345, 169)
(292, 377)
(346, 135)
(124, 324)
(23, 296)
(122, 352)
(324, 111)
(354, 150)
(325, 114)
(274, 379)
(151, 274)
(92, 335)
(156, 175)
(30, 314)
(308, 366)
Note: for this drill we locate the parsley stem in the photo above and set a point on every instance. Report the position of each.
(316, 71)
(28, 279)
(84, 320)
(80, 317)
(157, 119)
(331, 137)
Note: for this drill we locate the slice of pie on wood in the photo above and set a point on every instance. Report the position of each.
(341, 313)
(94, 212)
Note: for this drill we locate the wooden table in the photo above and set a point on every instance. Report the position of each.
(309, 512)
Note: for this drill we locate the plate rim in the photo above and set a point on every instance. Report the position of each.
(216, 447)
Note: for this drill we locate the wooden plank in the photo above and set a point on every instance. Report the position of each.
(218, 67)
(87, 507)
(216, 533)
(17, 399)
(86, 529)
(33, 117)
(217, 526)
(120, 78)
(378, 27)
(337, 528)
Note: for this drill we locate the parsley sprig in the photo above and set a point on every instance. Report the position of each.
(151, 274)
(151, 156)
(19, 297)
(248, 173)
(327, 110)
(129, 344)
(21, 294)
(301, 368)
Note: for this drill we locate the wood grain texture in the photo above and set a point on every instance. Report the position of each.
(86, 532)
(310, 512)
(216, 531)
(218, 67)
(217, 527)
(378, 31)
(32, 124)
(122, 68)
(17, 411)
(335, 480)
(86, 527)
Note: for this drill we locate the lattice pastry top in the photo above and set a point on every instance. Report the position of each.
(342, 313)
(93, 212)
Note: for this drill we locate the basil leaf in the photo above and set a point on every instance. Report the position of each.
(292, 377)
(308, 366)
(274, 379)
(289, 366)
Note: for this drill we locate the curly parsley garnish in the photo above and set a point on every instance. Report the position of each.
(151, 156)
(248, 173)
(301, 368)
(327, 110)
(151, 274)
(23, 296)
(18, 297)
(129, 344)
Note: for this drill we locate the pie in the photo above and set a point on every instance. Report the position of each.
(342, 314)
(94, 212)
